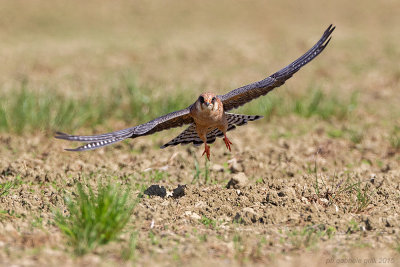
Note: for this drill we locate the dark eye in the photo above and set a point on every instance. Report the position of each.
(201, 99)
(213, 99)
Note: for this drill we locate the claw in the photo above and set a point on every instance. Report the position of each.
(206, 151)
(228, 143)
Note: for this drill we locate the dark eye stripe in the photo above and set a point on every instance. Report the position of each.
(201, 98)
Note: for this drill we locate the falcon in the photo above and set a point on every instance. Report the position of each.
(208, 117)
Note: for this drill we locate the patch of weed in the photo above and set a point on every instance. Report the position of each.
(153, 239)
(24, 109)
(5, 188)
(37, 222)
(353, 227)
(208, 222)
(395, 137)
(202, 238)
(309, 236)
(156, 176)
(129, 252)
(313, 103)
(239, 247)
(201, 172)
(94, 219)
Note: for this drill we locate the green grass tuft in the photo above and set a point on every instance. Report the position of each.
(129, 252)
(309, 236)
(312, 103)
(27, 110)
(210, 223)
(5, 188)
(94, 219)
(198, 172)
(395, 137)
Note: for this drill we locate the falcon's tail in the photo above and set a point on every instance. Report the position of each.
(190, 135)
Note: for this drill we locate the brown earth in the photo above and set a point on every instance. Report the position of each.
(208, 223)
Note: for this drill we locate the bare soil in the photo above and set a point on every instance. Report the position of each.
(249, 223)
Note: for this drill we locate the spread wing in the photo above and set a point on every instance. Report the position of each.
(242, 95)
(171, 120)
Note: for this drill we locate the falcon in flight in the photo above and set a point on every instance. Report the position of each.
(208, 117)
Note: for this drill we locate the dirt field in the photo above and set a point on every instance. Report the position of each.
(308, 185)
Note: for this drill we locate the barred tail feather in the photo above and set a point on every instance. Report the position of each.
(190, 135)
(240, 119)
(187, 136)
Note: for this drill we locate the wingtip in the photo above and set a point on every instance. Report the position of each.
(330, 29)
(71, 149)
(59, 135)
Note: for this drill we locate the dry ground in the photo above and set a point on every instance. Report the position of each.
(320, 190)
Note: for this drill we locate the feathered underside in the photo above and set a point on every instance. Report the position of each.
(190, 135)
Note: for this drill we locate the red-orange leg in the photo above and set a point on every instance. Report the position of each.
(228, 143)
(206, 151)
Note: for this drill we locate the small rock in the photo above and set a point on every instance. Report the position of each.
(192, 215)
(200, 204)
(246, 216)
(156, 190)
(249, 210)
(217, 168)
(163, 168)
(234, 166)
(238, 180)
(324, 201)
(370, 223)
(389, 221)
(238, 219)
(372, 178)
(305, 200)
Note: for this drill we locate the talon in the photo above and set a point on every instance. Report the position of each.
(228, 143)
(206, 151)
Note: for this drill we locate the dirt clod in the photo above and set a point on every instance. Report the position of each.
(370, 223)
(179, 191)
(156, 190)
(235, 166)
(217, 168)
(238, 180)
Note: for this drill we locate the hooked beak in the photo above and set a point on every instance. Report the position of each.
(209, 105)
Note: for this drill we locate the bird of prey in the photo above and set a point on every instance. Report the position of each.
(208, 117)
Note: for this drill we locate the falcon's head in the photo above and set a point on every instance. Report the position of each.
(207, 102)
